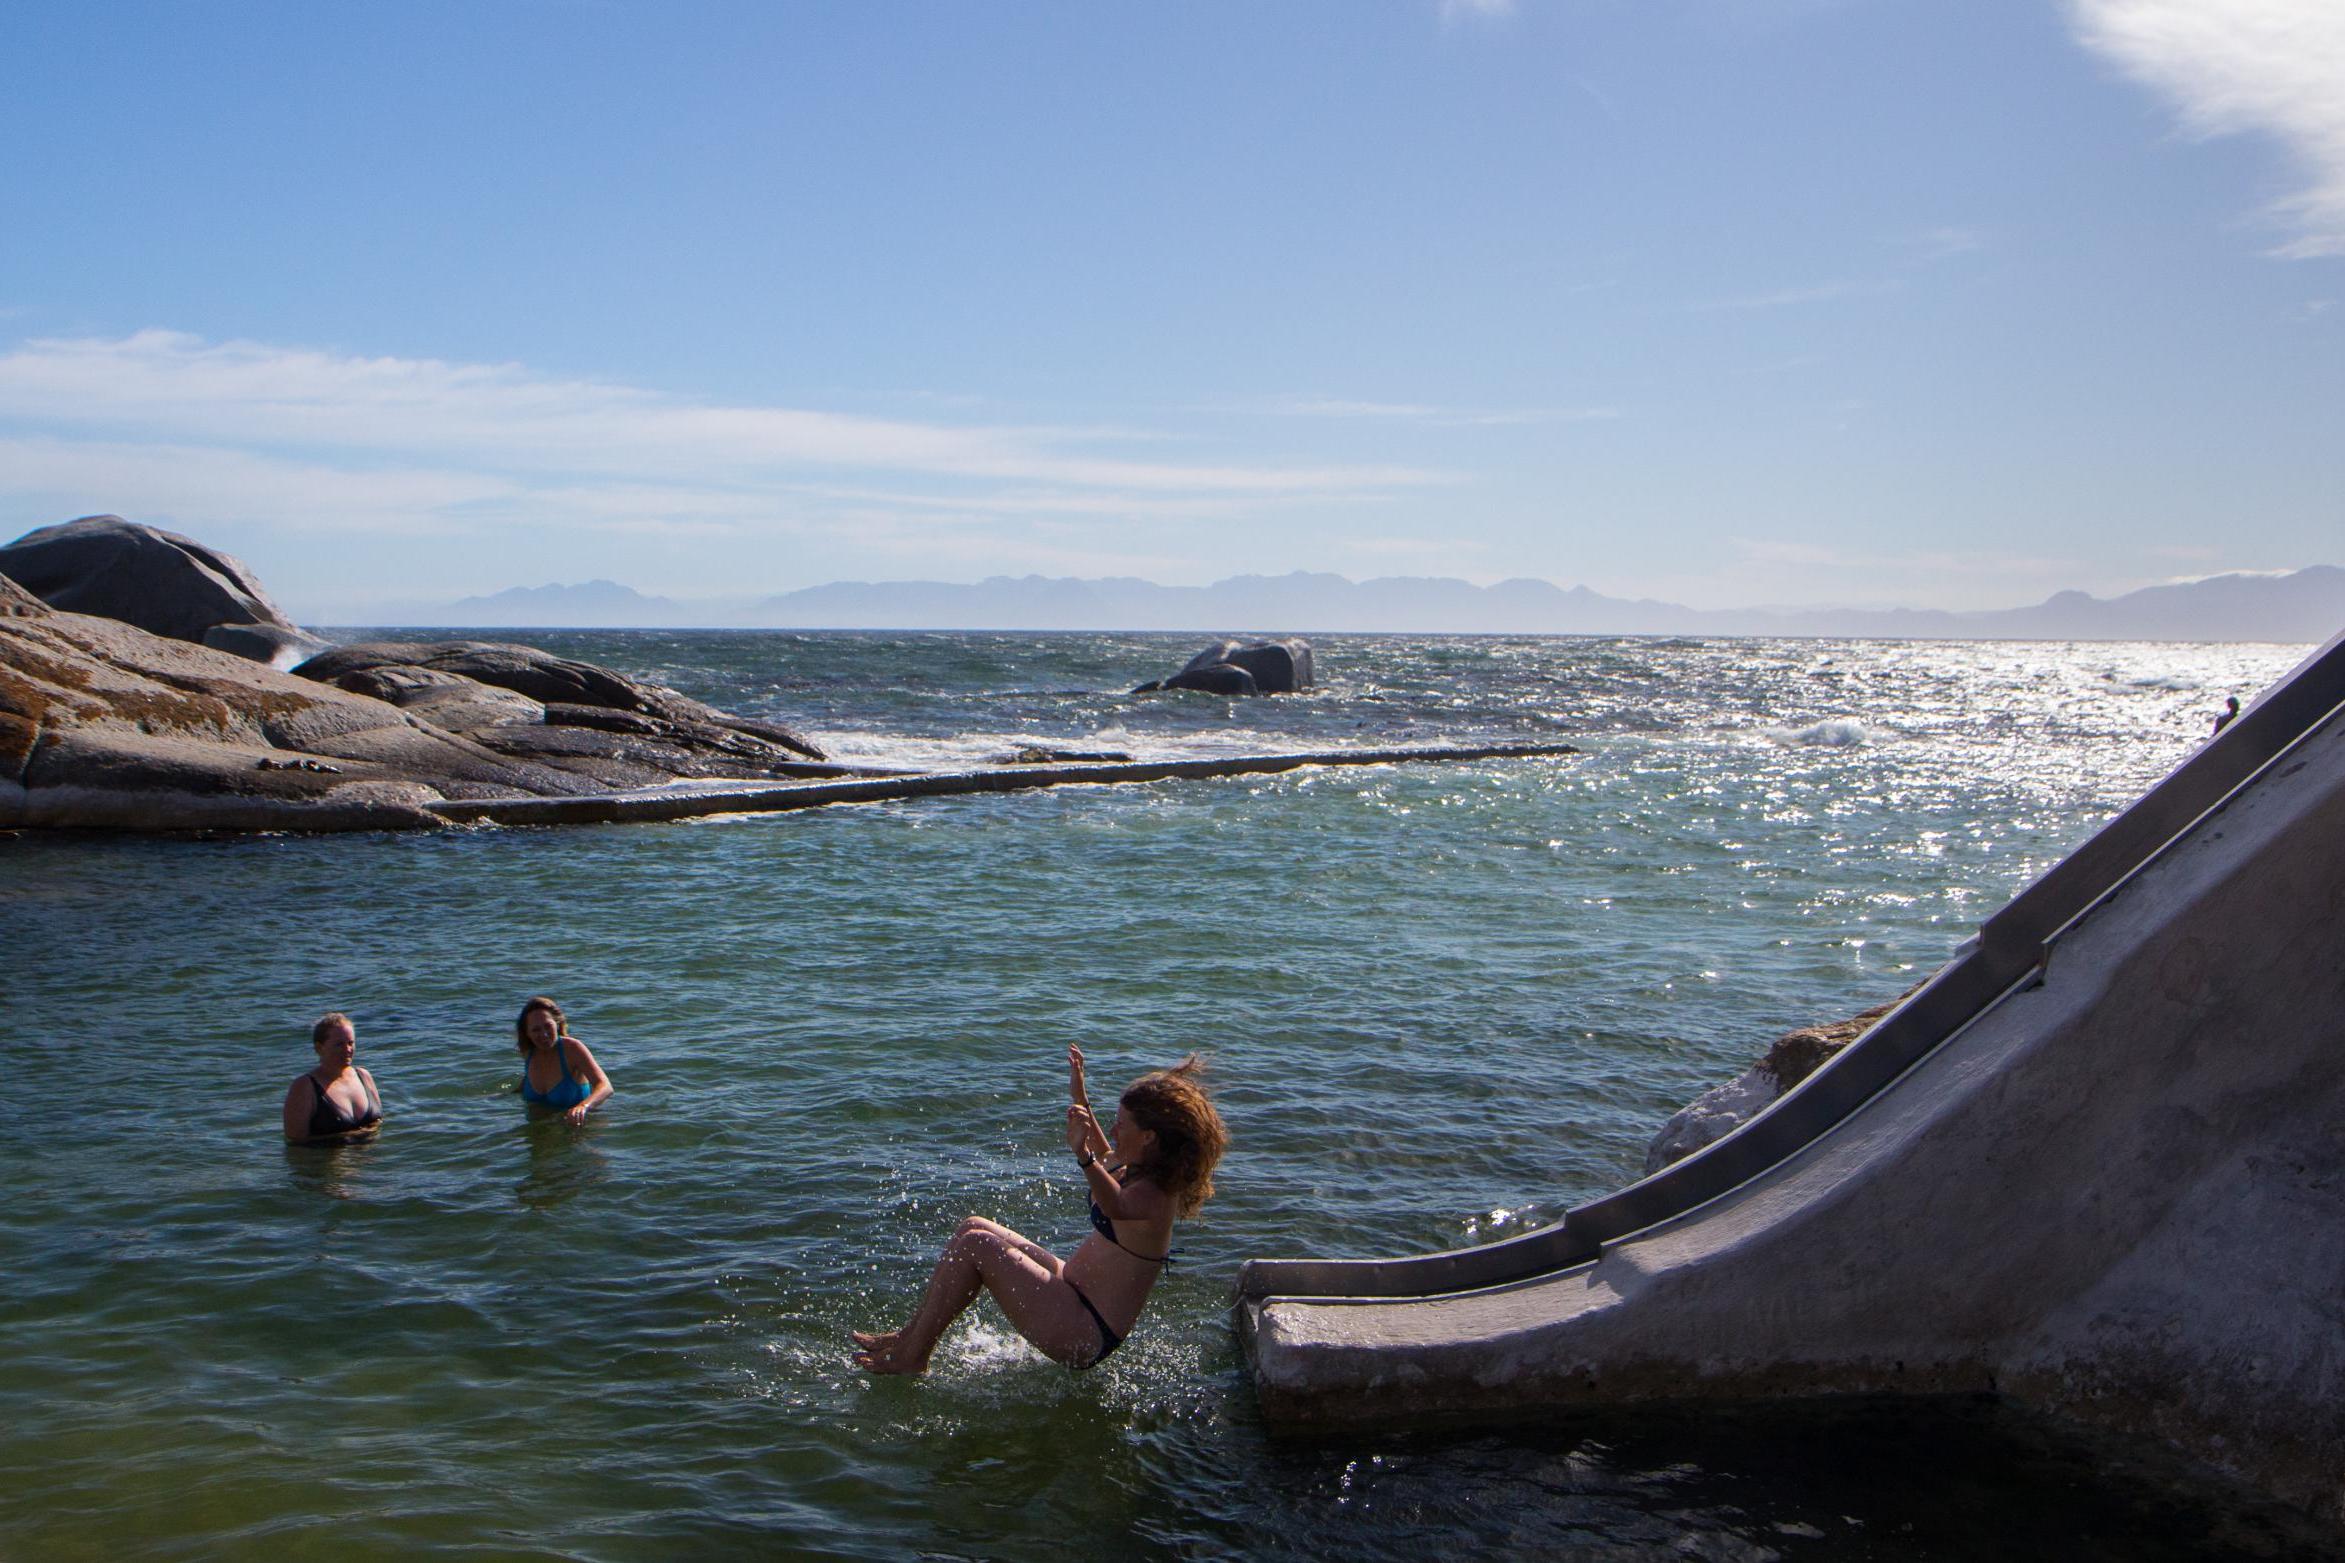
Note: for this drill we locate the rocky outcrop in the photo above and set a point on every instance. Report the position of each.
(1722, 1109)
(108, 725)
(1216, 678)
(1280, 667)
(165, 584)
(105, 725)
(562, 711)
(17, 603)
(443, 699)
(1228, 667)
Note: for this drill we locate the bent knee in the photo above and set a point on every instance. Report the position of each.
(975, 1236)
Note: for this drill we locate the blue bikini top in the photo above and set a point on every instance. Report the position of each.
(568, 1091)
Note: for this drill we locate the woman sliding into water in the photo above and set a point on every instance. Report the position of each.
(1155, 1166)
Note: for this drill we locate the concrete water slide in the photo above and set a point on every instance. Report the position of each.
(2096, 1164)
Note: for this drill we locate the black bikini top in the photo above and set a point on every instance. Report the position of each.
(1107, 1229)
(327, 1116)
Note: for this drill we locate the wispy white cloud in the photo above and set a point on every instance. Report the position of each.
(1602, 99)
(169, 423)
(1977, 562)
(1426, 413)
(1455, 11)
(1415, 547)
(1794, 572)
(928, 547)
(254, 393)
(192, 484)
(1066, 504)
(2270, 66)
(1815, 293)
(2216, 575)
(1934, 244)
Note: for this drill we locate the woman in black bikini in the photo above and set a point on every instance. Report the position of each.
(337, 1100)
(1077, 1310)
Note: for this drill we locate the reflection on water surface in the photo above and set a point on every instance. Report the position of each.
(1443, 1005)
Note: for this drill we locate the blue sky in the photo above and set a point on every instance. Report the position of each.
(1946, 303)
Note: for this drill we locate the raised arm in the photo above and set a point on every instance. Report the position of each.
(1141, 1203)
(1096, 1144)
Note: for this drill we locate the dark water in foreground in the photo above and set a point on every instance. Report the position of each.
(1444, 1004)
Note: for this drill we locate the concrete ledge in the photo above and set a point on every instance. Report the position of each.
(674, 803)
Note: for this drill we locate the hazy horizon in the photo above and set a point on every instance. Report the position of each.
(2297, 606)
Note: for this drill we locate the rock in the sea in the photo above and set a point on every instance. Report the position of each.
(1039, 754)
(104, 725)
(1722, 1109)
(1219, 678)
(1280, 667)
(1228, 667)
(564, 684)
(443, 699)
(1711, 1116)
(165, 584)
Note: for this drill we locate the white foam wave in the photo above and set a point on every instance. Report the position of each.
(1836, 732)
(969, 751)
(982, 1346)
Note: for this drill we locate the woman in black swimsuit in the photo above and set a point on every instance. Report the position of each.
(1077, 1310)
(337, 1100)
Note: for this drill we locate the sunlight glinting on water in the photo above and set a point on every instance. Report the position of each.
(1444, 1003)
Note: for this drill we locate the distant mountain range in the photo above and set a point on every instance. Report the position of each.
(590, 605)
(2303, 605)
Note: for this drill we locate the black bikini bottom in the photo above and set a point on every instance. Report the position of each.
(1109, 1340)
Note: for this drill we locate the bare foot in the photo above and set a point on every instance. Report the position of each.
(888, 1354)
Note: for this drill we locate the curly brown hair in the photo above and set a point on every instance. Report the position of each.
(1172, 1104)
(327, 1022)
(521, 1022)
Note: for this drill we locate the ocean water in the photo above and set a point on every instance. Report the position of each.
(1442, 1004)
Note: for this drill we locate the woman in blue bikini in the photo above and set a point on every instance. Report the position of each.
(557, 1071)
(1156, 1165)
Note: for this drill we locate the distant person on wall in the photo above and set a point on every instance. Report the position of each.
(337, 1101)
(1156, 1165)
(2230, 710)
(557, 1071)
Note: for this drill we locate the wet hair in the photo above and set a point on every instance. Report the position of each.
(327, 1022)
(1172, 1104)
(521, 1022)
